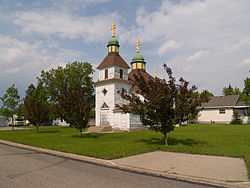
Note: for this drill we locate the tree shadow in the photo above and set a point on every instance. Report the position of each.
(87, 135)
(171, 141)
(187, 142)
(52, 131)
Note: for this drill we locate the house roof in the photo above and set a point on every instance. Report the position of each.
(219, 101)
(138, 72)
(113, 58)
(242, 103)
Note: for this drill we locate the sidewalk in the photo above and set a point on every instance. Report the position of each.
(220, 171)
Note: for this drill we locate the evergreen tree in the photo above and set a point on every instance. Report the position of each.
(236, 118)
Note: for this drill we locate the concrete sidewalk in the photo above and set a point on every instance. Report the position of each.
(220, 171)
(15, 128)
(192, 167)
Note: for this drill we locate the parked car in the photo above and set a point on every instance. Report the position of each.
(17, 121)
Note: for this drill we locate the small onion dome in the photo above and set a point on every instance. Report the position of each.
(138, 58)
(138, 62)
(113, 41)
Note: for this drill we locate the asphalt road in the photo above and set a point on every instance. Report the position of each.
(24, 168)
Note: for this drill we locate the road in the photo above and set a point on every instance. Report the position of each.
(25, 168)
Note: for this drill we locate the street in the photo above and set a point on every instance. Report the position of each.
(25, 168)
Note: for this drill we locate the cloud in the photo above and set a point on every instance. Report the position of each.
(169, 45)
(197, 55)
(91, 28)
(22, 62)
(245, 62)
(212, 33)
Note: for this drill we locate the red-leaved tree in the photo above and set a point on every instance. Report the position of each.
(162, 103)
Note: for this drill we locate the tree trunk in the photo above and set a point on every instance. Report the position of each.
(36, 128)
(81, 132)
(165, 138)
(12, 124)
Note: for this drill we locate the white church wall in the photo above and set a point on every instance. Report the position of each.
(101, 98)
(111, 72)
(117, 73)
(118, 89)
(135, 121)
(121, 120)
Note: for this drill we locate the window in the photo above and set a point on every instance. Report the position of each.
(134, 66)
(104, 91)
(121, 73)
(222, 111)
(106, 73)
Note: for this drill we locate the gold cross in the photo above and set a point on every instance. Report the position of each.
(137, 45)
(155, 72)
(113, 29)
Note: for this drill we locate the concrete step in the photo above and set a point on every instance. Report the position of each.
(101, 129)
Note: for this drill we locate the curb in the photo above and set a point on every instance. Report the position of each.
(111, 164)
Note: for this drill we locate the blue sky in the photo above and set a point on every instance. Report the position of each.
(205, 41)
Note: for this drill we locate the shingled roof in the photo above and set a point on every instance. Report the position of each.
(143, 73)
(219, 101)
(112, 59)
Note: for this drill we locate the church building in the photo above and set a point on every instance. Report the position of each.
(113, 77)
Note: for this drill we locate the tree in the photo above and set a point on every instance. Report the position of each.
(10, 102)
(197, 94)
(246, 89)
(75, 106)
(165, 103)
(62, 84)
(231, 91)
(36, 105)
(236, 118)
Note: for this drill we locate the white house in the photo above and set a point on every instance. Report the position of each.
(114, 77)
(220, 109)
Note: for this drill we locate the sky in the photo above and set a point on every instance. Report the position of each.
(207, 42)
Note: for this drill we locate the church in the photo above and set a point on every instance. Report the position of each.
(113, 77)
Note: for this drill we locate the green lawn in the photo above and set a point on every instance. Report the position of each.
(223, 140)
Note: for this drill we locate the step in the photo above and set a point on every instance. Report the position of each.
(102, 129)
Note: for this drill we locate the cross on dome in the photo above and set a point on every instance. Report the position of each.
(138, 43)
(113, 26)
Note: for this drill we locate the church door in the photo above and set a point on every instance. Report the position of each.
(104, 115)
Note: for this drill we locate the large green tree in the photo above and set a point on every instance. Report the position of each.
(165, 103)
(231, 91)
(63, 83)
(10, 104)
(37, 108)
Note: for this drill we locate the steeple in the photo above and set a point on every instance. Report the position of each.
(113, 43)
(113, 58)
(138, 62)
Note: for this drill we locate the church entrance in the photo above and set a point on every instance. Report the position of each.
(104, 115)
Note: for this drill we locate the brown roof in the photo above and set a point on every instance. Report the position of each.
(114, 79)
(113, 58)
(137, 72)
(229, 100)
(242, 103)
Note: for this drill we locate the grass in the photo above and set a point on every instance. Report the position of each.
(221, 140)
